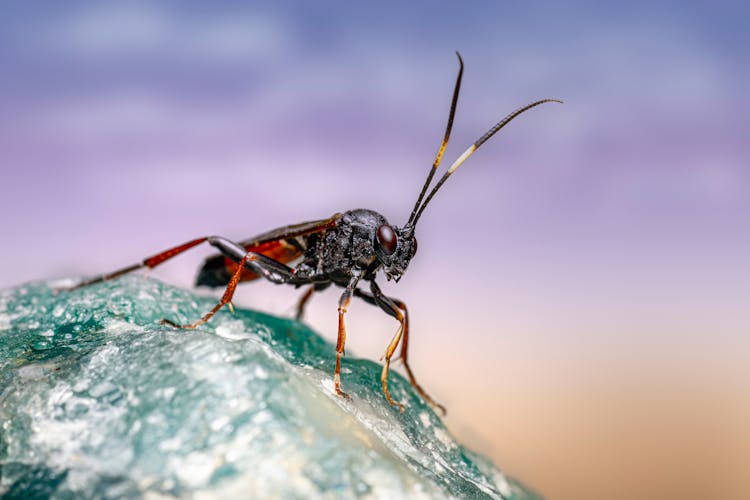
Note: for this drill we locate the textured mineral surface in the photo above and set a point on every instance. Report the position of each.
(98, 400)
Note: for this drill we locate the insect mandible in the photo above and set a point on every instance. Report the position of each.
(343, 250)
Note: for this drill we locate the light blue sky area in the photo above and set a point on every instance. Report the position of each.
(646, 85)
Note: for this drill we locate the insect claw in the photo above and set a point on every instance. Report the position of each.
(176, 325)
(395, 403)
(339, 392)
(343, 394)
(56, 291)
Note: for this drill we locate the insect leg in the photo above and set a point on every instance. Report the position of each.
(273, 270)
(344, 300)
(392, 310)
(394, 307)
(404, 360)
(225, 299)
(270, 269)
(387, 305)
(317, 287)
(302, 302)
(149, 262)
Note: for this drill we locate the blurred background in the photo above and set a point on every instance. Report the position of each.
(580, 297)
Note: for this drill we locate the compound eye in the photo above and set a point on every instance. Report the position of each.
(413, 247)
(387, 239)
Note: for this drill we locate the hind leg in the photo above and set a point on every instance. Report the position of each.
(272, 270)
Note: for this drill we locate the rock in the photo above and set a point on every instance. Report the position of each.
(97, 399)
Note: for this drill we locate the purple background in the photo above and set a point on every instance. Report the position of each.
(580, 299)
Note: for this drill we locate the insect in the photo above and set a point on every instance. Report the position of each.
(342, 250)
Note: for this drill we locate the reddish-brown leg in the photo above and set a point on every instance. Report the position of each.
(225, 299)
(303, 301)
(344, 300)
(404, 359)
(394, 307)
(386, 365)
(149, 262)
(340, 341)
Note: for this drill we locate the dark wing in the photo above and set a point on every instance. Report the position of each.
(284, 245)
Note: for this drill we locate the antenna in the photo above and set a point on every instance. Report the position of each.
(446, 137)
(470, 151)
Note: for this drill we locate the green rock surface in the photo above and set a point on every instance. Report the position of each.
(98, 400)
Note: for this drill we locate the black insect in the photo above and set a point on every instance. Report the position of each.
(343, 250)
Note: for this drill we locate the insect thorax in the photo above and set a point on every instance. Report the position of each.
(333, 254)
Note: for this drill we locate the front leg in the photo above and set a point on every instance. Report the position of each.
(397, 309)
(377, 298)
(344, 300)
